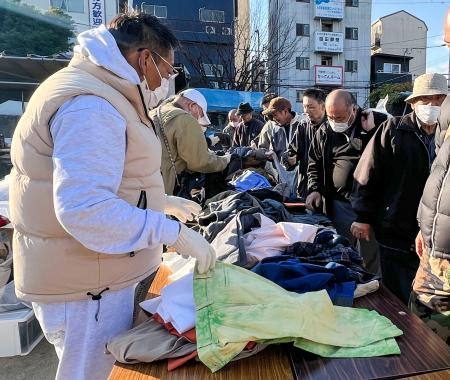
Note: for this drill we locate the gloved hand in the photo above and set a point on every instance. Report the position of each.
(228, 157)
(182, 209)
(214, 140)
(191, 243)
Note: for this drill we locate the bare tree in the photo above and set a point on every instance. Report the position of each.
(262, 43)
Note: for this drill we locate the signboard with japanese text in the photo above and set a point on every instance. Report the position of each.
(97, 14)
(329, 42)
(329, 75)
(333, 9)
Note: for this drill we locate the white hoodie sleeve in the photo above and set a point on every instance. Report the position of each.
(88, 160)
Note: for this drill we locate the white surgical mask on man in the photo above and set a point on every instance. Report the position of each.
(153, 98)
(427, 113)
(340, 127)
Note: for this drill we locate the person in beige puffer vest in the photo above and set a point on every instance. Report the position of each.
(86, 195)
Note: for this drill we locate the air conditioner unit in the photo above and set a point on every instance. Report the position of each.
(226, 31)
(210, 29)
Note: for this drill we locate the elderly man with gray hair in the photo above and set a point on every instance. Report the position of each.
(180, 125)
(390, 179)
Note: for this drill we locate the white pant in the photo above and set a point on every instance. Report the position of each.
(80, 339)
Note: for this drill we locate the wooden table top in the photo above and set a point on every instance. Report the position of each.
(270, 364)
(422, 350)
(286, 362)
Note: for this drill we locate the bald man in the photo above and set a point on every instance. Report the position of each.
(233, 122)
(335, 151)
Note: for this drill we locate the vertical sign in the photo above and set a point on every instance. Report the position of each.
(97, 14)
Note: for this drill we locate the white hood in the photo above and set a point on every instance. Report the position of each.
(100, 47)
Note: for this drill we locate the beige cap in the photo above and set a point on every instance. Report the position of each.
(428, 85)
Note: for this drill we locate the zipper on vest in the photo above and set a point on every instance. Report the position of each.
(142, 204)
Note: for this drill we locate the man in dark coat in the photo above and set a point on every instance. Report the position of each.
(249, 129)
(390, 179)
(335, 151)
(297, 155)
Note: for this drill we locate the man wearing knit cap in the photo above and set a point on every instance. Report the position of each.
(389, 182)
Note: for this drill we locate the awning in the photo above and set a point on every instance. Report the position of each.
(26, 72)
(225, 100)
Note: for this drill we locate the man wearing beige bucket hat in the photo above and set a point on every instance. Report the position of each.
(390, 178)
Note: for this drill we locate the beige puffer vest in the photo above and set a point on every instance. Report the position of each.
(49, 264)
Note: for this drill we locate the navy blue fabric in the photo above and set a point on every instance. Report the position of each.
(330, 247)
(292, 274)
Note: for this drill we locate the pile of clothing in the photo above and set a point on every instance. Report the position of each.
(280, 278)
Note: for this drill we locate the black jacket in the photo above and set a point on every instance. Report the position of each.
(299, 147)
(325, 147)
(247, 132)
(389, 182)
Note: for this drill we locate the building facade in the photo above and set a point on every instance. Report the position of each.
(403, 34)
(333, 48)
(390, 68)
(86, 14)
(205, 31)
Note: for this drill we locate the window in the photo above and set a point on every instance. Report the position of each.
(299, 96)
(326, 60)
(226, 31)
(210, 15)
(351, 33)
(351, 66)
(394, 68)
(159, 11)
(210, 29)
(302, 30)
(327, 26)
(212, 70)
(352, 3)
(75, 6)
(302, 63)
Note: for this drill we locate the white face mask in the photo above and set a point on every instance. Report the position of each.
(427, 114)
(339, 127)
(153, 98)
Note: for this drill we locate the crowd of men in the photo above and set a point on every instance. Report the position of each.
(90, 219)
(367, 171)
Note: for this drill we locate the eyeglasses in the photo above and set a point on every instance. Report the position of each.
(174, 73)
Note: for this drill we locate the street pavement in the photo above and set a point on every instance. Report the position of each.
(39, 364)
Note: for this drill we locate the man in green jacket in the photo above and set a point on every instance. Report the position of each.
(180, 125)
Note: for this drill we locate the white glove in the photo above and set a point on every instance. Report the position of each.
(191, 243)
(228, 157)
(182, 209)
(214, 140)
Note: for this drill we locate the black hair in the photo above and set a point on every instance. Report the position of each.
(315, 94)
(268, 97)
(134, 30)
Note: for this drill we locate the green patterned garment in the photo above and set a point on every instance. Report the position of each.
(236, 306)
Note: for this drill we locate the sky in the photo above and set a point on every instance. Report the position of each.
(432, 12)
